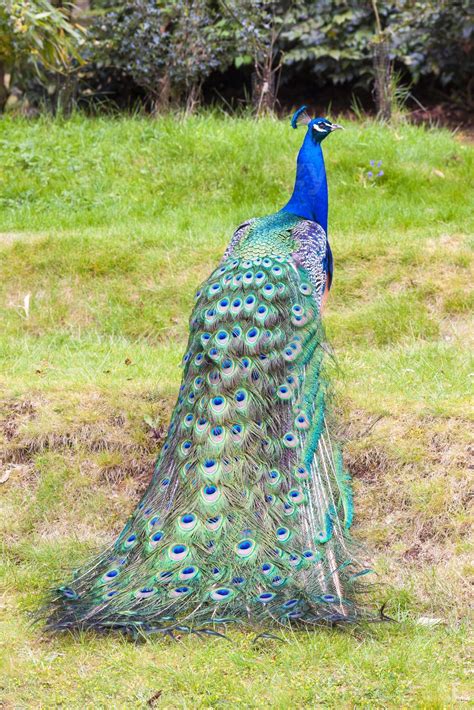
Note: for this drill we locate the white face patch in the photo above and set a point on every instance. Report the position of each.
(319, 128)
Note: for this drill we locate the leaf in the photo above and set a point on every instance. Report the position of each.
(429, 621)
(156, 696)
(5, 476)
(242, 60)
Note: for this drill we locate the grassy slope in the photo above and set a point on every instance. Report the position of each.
(107, 227)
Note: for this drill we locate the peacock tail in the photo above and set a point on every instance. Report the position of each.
(247, 515)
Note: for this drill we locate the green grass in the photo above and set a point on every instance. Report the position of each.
(394, 667)
(106, 228)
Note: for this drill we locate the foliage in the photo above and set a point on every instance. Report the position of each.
(332, 39)
(258, 26)
(34, 32)
(168, 48)
(37, 30)
(435, 38)
(172, 49)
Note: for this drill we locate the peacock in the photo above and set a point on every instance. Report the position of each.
(247, 515)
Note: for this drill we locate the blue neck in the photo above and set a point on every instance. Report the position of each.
(310, 194)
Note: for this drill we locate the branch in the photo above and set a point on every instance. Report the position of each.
(377, 18)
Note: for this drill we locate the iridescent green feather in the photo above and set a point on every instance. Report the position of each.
(246, 517)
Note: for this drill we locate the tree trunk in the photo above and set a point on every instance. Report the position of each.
(65, 95)
(162, 97)
(193, 98)
(4, 91)
(382, 78)
(263, 89)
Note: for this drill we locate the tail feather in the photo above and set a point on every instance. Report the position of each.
(247, 513)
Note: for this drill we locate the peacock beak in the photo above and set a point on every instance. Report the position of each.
(335, 126)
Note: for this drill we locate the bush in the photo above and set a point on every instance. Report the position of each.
(429, 38)
(169, 49)
(34, 34)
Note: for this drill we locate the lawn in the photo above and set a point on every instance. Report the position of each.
(106, 228)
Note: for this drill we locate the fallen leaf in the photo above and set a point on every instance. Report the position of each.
(438, 173)
(428, 621)
(156, 696)
(4, 477)
(26, 305)
(128, 361)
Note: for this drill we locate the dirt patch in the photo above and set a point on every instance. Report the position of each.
(451, 243)
(119, 447)
(448, 115)
(14, 414)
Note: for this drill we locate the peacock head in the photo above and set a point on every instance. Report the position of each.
(318, 128)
